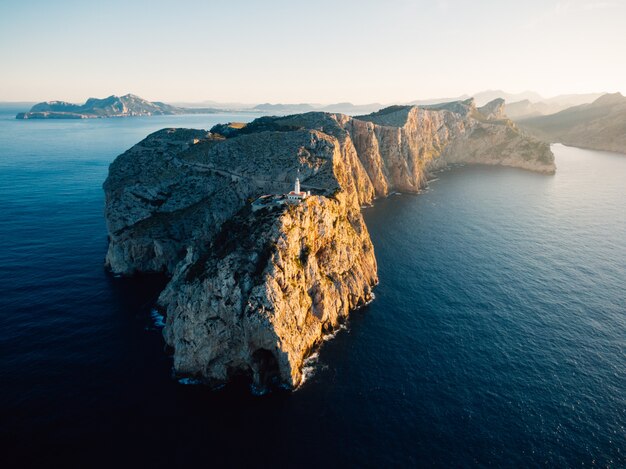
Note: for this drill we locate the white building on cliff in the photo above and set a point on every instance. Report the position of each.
(296, 195)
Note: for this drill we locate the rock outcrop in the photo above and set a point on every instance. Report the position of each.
(268, 288)
(254, 291)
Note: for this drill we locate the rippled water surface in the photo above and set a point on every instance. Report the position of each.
(498, 335)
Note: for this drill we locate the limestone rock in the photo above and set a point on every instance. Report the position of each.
(267, 289)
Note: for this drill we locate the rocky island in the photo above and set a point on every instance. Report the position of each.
(113, 106)
(253, 290)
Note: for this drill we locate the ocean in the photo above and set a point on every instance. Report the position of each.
(497, 337)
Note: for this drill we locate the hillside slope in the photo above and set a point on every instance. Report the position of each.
(600, 125)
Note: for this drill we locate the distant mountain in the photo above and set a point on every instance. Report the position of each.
(525, 104)
(485, 97)
(569, 100)
(525, 108)
(208, 103)
(113, 106)
(284, 108)
(352, 109)
(532, 104)
(600, 125)
(343, 108)
(481, 98)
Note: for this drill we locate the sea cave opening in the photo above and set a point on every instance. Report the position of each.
(265, 368)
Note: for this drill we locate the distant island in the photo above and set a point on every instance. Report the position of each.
(113, 106)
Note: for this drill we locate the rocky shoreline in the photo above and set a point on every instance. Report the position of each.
(253, 292)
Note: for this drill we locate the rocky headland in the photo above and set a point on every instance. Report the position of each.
(253, 291)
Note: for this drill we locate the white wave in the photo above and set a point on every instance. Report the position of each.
(333, 334)
(189, 381)
(308, 367)
(157, 318)
(371, 299)
(367, 302)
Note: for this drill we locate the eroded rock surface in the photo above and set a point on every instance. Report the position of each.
(267, 289)
(253, 292)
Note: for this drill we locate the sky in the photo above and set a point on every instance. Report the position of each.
(317, 51)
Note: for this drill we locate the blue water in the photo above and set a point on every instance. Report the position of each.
(497, 338)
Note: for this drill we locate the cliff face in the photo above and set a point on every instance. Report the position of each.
(269, 287)
(253, 291)
(398, 146)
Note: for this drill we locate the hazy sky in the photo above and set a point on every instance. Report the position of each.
(308, 51)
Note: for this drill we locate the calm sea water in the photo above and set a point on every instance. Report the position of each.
(498, 336)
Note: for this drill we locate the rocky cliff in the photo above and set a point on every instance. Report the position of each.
(253, 291)
(270, 285)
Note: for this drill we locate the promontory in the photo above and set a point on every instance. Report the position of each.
(262, 267)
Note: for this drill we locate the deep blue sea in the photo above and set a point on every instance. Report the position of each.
(497, 337)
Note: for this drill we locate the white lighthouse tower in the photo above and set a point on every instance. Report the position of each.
(296, 188)
(296, 195)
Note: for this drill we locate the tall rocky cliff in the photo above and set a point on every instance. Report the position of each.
(253, 291)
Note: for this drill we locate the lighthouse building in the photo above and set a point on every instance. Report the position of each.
(296, 195)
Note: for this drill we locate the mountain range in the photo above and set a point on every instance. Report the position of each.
(519, 106)
(542, 107)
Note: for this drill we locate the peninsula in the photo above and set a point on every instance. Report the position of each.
(255, 286)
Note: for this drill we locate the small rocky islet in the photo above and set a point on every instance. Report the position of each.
(254, 289)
